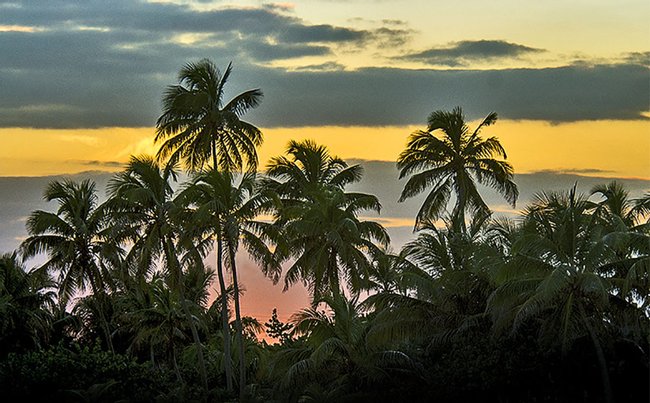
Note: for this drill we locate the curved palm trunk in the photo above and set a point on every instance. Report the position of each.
(460, 216)
(177, 371)
(604, 373)
(171, 259)
(238, 324)
(222, 286)
(99, 294)
(224, 314)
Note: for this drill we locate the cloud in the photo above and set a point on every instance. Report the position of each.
(89, 65)
(642, 58)
(105, 164)
(327, 66)
(385, 96)
(588, 171)
(464, 52)
(22, 195)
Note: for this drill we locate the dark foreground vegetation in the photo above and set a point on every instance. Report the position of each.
(552, 306)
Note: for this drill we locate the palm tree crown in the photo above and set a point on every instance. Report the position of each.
(196, 127)
(448, 158)
(74, 238)
(325, 237)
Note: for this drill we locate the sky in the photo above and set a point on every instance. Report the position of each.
(81, 83)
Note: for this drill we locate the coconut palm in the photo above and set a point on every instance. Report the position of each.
(563, 270)
(196, 128)
(324, 237)
(308, 169)
(336, 353)
(214, 194)
(25, 297)
(616, 205)
(329, 246)
(446, 283)
(75, 240)
(143, 212)
(449, 158)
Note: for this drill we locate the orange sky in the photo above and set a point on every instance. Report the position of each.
(614, 148)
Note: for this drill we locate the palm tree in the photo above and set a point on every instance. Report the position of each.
(325, 238)
(448, 158)
(196, 127)
(328, 242)
(144, 212)
(214, 194)
(444, 281)
(616, 206)
(75, 239)
(308, 169)
(25, 297)
(563, 270)
(336, 353)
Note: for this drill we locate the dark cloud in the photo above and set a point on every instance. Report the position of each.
(321, 33)
(19, 196)
(98, 65)
(382, 96)
(327, 66)
(105, 164)
(66, 81)
(464, 52)
(642, 58)
(573, 171)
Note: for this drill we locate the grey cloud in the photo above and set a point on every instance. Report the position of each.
(90, 95)
(321, 33)
(573, 171)
(105, 164)
(66, 78)
(261, 51)
(378, 97)
(327, 66)
(20, 196)
(463, 52)
(642, 58)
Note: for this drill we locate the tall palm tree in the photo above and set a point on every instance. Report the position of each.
(145, 213)
(214, 194)
(75, 239)
(326, 239)
(616, 205)
(445, 275)
(449, 158)
(196, 128)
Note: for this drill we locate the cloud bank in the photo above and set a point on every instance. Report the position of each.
(68, 64)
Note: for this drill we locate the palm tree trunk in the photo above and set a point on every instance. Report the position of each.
(176, 369)
(238, 324)
(99, 295)
(224, 293)
(171, 259)
(224, 314)
(604, 373)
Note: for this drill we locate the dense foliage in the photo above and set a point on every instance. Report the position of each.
(551, 306)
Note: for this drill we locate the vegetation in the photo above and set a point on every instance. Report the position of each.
(551, 306)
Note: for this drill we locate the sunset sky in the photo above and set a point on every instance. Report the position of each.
(81, 82)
